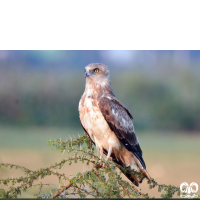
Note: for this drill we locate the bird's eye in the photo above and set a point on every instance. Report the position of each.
(96, 70)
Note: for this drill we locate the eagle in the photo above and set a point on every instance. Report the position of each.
(109, 123)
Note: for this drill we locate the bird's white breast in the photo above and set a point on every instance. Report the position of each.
(95, 124)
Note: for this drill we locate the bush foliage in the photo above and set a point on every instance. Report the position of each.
(98, 182)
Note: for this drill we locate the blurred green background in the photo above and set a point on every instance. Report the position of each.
(43, 88)
(40, 91)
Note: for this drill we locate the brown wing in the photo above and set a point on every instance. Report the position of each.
(119, 119)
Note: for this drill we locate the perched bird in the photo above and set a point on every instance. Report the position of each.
(109, 123)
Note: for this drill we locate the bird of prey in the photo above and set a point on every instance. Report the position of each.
(109, 123)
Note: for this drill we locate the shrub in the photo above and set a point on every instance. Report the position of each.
(98, 182)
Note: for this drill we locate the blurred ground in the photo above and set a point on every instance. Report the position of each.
(171, 157)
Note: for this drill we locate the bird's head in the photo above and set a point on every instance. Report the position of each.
(97, 72)
(97, 76)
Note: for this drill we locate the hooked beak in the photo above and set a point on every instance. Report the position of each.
(86, 74)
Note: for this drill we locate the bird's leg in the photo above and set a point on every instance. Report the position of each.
(101, 156)
(101, 153)
(108, 155)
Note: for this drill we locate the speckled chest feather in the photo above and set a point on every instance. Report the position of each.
(94, 122)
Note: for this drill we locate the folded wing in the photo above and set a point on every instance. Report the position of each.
(120, 122)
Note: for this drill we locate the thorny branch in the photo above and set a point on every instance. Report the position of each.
(99, 182)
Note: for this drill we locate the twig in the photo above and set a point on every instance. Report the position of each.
(61, 191)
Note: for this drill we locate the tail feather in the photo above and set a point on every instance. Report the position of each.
(128, 172)
(133, 176)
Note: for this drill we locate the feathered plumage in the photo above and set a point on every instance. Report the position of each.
(109, 123)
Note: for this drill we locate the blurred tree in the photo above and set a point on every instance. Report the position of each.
(44, 87)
